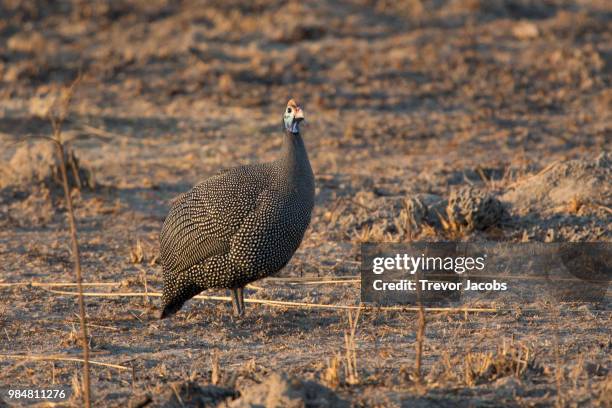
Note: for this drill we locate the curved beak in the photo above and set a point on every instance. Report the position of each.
(299, 114)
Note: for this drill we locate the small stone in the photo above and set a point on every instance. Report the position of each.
(525, 30)
(226, 83)
(27, 42)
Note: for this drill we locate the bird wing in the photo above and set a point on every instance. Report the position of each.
(202, 221)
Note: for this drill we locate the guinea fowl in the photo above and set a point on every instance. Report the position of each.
(240, 225)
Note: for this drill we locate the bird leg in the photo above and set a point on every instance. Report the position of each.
(241, 298)
(238, 301)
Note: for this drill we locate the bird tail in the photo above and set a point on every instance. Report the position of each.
(170, 309)
(170, 304)
(176, 292)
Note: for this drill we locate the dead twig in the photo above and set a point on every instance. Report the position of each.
(309, 279)
(57, 284)
(215, 375)
(420, 335)
(60, 358)
(280, 303)
(350, 368)
(343, 281)
(143, 275)
(57, 119)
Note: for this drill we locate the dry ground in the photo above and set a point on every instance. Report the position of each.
(402, 99)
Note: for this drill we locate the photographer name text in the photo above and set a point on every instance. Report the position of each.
(427, 285)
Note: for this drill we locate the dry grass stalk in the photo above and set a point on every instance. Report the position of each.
(509, 360)
(350, 366)
(448, 373)
(420, 339)
(474, 364)
(57, 284)
(420, 335)
(57, 118)
(72, 339)
(606, 391)
(137, 253)
(143, 277)
(289, 281)
(334, 214)
(60, 358)
(215, 375)
(326, 282)
(577, 371)
(450, 228)
(409, 233)
(77, 388)
(331, 375)
(603, 207)
(280, 303)
(483, 176)
(559, 370)
(177, 394)
(364, 235)
(574, 205)
(310, 279)
(105, 135)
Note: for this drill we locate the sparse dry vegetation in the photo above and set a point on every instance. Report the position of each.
(57, 115)
(351, 371)
(425, 120)
(512, 360)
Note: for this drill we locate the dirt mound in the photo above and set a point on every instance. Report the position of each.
(278, 391)
(36, 164)
(190, 394)
(31, 209)
(473, 209)
(586, 181)
(294, 24)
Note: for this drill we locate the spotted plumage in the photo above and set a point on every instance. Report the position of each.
(240, 225)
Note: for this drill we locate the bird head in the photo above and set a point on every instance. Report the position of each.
(293, 116)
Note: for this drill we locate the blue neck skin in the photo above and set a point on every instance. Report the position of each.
(293, 128)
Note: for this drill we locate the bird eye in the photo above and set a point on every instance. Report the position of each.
(288, 110)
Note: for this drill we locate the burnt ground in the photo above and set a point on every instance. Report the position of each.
(407, 99)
